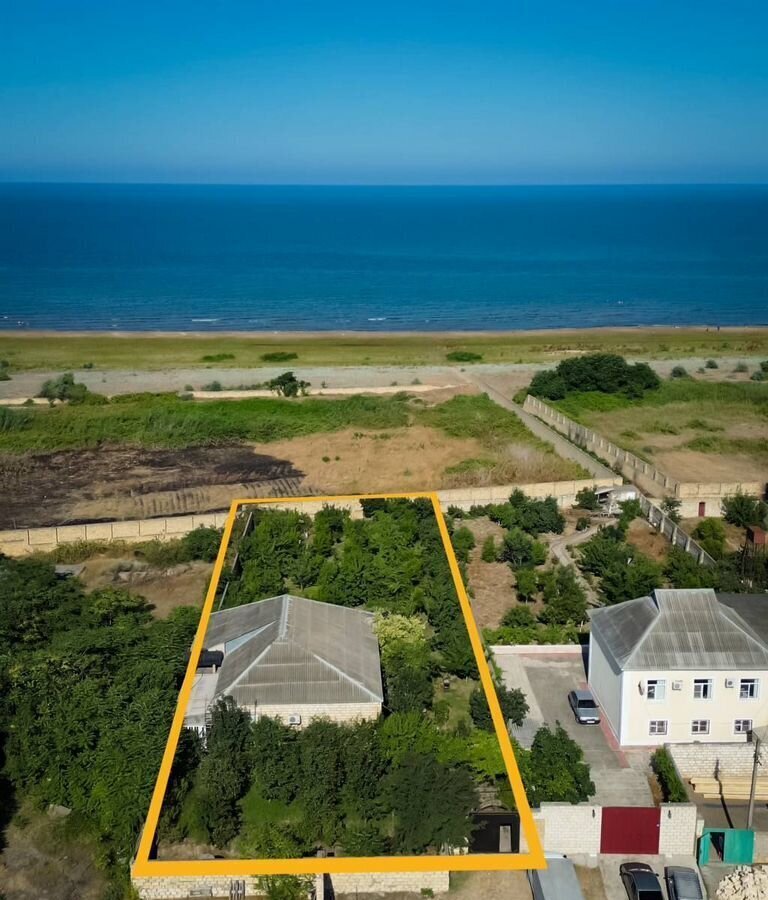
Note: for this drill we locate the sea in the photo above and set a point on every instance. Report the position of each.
(260, 258)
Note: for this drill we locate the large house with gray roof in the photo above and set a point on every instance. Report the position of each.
(292, 659)
(681, 666)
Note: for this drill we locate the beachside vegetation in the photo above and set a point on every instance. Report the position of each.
(133, 352)
(604, 373)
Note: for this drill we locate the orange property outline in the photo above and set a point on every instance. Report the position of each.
(534, 859)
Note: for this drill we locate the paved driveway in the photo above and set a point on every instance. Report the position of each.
(620, 778)
(614, 887)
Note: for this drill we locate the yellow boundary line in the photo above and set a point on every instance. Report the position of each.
(144, 867)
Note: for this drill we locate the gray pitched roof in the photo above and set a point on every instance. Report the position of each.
(678, 629)
(290, 650)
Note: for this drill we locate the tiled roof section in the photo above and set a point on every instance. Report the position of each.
(678, 629)
(289, 650)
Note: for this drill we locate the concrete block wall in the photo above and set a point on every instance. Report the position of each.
(679, 828)
(568, 828)
(181, 888)
(22, 541)
(705, 760)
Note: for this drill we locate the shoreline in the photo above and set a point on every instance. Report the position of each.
(679, 330)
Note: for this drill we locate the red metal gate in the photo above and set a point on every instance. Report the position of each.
(630, 829)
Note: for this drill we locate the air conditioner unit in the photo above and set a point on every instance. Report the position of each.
(729, 682)
(677, 685)
(294, 720)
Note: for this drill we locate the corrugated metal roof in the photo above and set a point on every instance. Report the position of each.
(678, 629)
(290, 650)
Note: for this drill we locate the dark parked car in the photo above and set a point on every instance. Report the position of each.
(585, 709)
(640, 881)
(683, 883)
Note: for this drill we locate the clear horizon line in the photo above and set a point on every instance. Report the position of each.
(385, 184)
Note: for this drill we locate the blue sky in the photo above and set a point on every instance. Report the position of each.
(361, 92)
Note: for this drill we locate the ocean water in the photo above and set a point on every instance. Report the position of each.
(199, 258)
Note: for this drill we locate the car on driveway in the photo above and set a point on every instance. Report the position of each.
(640, 881)
(683, 883)
(585, 709)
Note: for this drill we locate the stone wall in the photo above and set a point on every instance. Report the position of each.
(181, 888)
(21, 541)
(575, 829)
(707, 760)
(636, 469)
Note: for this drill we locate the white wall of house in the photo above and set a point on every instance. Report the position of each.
(605, 682)
(677, 706)
(336, 712)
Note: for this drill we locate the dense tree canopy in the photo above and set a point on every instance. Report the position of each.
(607, 373)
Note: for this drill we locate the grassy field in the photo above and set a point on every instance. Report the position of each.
(46, 351)
(695, 431)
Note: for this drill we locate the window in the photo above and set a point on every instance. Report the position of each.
(700, 726)
(657, 726)
(702, 688)
(742, 726)
(748, 688)
(655, 688)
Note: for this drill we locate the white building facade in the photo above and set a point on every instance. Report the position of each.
(678, 667)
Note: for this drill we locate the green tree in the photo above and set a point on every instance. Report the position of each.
(587, 498)
(636, 578)
(288, 385)
(554, 770)
(526, 584)
(463, 542)
(683, 571)
(671, 506)
(742, 510)
(489, 552)
(710, 533)
(514, 706)
(431, 804)
(520, 550)
(564, 597)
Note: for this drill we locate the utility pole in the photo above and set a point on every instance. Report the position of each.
(753, 785)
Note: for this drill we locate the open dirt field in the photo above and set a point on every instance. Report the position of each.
(695, 441)
(648, 541)
(166, 588)
(492, 584)
(67, 487)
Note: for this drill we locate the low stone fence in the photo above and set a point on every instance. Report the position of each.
(574, 829)
(177, 887)
(21, 541)
(635, 469)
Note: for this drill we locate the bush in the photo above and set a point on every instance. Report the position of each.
(518, 617)
(489, 552)
(764, 366)
(218, 357)
(4, 374)
(512, 701)
(710, 533)
(678, 372)
(671, 784)
(212, 386)
(583, 523)
(66, 388)
(527, 584)
(587, 499)
(279, 356)
(758, 376)
(670, 506)
(288, 385)
(711, 364)
(741, 368)
(606, 373)
(463, 542)
(463, 356)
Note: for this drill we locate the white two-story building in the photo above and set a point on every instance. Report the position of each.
(681, 666)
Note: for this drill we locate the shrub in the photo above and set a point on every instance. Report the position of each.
(678, 372)
(279, 356)
(463, 542)
(606, 373)
(217, 357)
(527, 584)
(711, 364)
(463, 356)
(13, 419)
(587, 499)
(66, 388)
(512, 701)
(288, 385)
(764, 366)
(741, 367)
(212, 386)
(582, 523)
(489, 552)
(670, 506)
(520, 550)
(758, 376)
(671, 784)
(710, 533)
